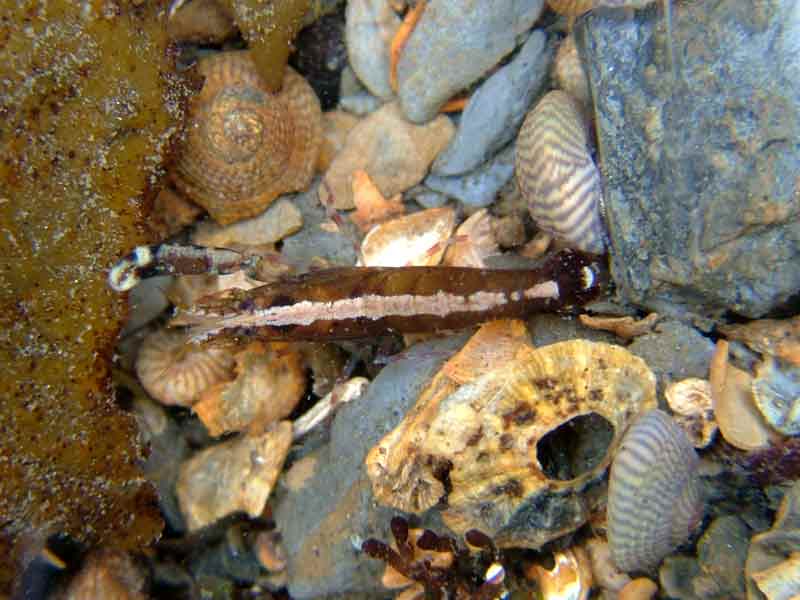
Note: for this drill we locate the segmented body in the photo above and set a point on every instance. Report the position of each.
(363, 302)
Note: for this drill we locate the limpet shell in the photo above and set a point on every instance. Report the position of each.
(488, 443)
(245, 146)
(175, 372)
(556, 174)
(690, 400)
(654, 495)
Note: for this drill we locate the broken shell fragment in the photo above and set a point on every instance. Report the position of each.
(624, 327)
(639, 589)
(556, 173)
(569, 579)
(106, 574)
(531, 432)
(269, 383)
(781, 582)
(776, 390)
(473, 242)
(654, 495)
(237, 475)
(772, 569)
(175, 372)
(690, 401)
(244, 145)
(371, 207)
(418, 239)
(778, 337)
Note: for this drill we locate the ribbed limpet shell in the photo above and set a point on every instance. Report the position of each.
(556, 174)
(245, 146)
(654, 495)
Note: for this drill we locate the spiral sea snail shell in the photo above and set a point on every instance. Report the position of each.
(654, 494)
(245, 146)
(557, 176)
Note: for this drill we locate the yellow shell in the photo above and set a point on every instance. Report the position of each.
(492, 448)
(556, 174)
(245, 146)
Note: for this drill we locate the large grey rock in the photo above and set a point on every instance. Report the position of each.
(324, 522)
(454, 44)
(701, 171)
(496, 109)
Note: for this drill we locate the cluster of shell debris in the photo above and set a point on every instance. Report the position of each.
(551, 459)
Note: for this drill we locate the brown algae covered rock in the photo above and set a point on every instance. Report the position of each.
(88, 105)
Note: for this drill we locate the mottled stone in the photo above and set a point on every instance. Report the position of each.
(454, 44)
(496, 109)
(478, 188)
(324, 521)
(701, 170)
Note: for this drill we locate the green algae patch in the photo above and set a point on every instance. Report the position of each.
(88, 105)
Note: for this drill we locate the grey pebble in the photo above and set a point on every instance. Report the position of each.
(320, 521)
(497, 108)
(455, 43)
(312, 241)
(369, 28)
(478, 188)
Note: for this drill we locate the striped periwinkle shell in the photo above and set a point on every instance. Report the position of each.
(556, 174)
(654, 497)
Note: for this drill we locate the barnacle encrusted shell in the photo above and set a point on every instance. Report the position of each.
(243, 145)
(556, 174)
(484, 445)
(654, 495)
(174, 371)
